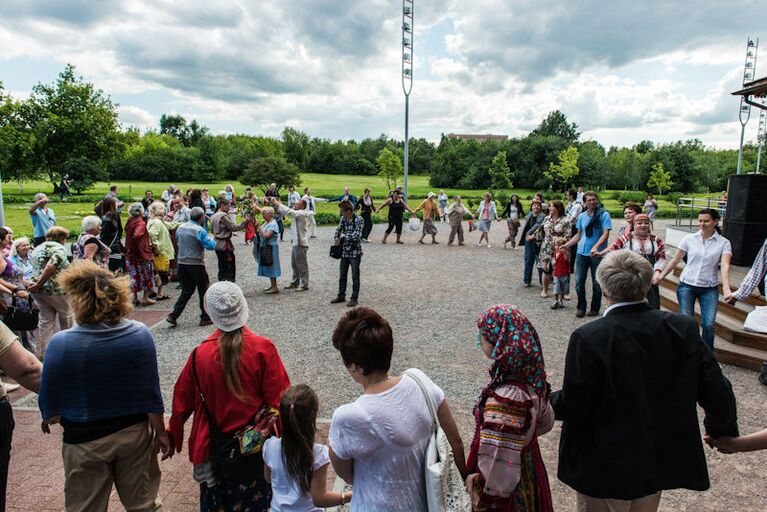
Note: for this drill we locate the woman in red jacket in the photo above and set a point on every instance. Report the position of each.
(237, 372)
(139, 259)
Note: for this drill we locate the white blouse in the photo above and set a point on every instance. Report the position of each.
(702, 268)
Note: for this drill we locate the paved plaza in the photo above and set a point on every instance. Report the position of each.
(431, 295)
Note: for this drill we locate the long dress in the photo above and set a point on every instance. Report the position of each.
(549, 231)
(273, 242)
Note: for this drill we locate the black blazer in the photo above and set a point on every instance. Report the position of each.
(628, 403)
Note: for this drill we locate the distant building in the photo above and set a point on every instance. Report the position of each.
(477, 137)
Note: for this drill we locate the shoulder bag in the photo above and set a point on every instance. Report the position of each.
(337, 249)
(445, 490)
(231, 453)
(265, 253)
(18, 319)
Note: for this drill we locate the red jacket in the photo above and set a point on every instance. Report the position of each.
(138, 247)
(264, 379)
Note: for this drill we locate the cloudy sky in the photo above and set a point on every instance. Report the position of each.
(623, 70)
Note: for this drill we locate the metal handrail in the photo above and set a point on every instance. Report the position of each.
(687, 208)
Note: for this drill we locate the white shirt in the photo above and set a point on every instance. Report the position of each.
(300, 225)
(702, 268)
(292, 198)
(573, 210)
(286, 493)
(387, 434)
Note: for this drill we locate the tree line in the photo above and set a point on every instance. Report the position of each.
(72, 127)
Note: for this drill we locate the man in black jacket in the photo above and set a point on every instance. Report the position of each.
(628, 401)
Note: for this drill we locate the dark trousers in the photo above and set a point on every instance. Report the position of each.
(367, 216)
(226, 265)
(354, 263)
(38, 240)
(281, 227)
(191, 277)
(531, 256)
(395, 224)
(582, 265)
(6, 433)
(573, 252)
(653, 297)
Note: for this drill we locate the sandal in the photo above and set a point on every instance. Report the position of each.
(163, 297)
(145, 303)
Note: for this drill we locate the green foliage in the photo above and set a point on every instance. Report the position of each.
(263, 171)
(660, 179)
(500, 174)
(631, 197)
(390, 168)
(69, 119)
(176, 127)
(296, 144)
(556, 125)
(566, 170)
(83, 172)
(674, 197)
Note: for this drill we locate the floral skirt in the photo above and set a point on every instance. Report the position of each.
(429, 228)
(253, 497)
(141, 275)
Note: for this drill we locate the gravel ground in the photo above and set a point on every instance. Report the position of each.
(432, 295)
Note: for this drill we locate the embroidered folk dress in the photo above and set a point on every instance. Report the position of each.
(508, 455)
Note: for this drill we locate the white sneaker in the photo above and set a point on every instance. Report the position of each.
(489, 246)
(479, 244)
(10, 387)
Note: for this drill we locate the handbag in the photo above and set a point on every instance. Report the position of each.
(336, 251)
(266, 255)
(756, 321)
(445, 490)
(21, 319)
(413, 223)
(231, 453)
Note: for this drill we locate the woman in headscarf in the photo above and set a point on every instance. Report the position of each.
(139, 259)
(430, 213)
(506, 470)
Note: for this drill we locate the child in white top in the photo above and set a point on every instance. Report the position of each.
(295, 465)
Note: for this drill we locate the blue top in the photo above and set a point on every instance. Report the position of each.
(273, 227)
(42, 221)
(586, 243)
(205, 240)
(102, 371)
(274, 269)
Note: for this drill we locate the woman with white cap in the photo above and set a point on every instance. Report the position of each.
(230, 377)
(430, 212)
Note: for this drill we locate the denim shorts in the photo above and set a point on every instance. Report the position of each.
(562, 285)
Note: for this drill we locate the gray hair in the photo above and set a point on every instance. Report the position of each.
(196, 214)
(157, 209)
(266, 210)
(90, 223)
(39, 196)
(136, 209)
(624, 276)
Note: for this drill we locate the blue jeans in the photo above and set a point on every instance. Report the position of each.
(531, 255)
(709, 300)
(354, 263)
(582, 266)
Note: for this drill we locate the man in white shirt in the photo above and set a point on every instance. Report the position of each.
(167, 194)
(299, 226)
(311, 206)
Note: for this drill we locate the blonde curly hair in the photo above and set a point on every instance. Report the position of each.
(96, 295)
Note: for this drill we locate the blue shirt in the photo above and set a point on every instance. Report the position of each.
(42, 221)
(97, 372)
(586, 243)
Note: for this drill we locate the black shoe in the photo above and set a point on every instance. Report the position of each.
(338, 300)
(152, 295)
(594, 313)
(352, 303)
(205, 321)
(172, 321)
(580, 314)
(763, 375)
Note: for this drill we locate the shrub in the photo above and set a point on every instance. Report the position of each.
(631, 196)
(673, 197)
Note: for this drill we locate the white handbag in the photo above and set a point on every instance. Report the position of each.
(756, 321)
(445, 490)
(413, 223)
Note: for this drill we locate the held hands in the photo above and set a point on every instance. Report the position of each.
(723, 444)
(656, 279)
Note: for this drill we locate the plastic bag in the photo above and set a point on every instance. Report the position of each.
(756, 321)
(414, 223)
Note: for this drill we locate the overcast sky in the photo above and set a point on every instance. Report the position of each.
(623, 70)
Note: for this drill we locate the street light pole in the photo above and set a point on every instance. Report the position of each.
(407, 73)
(761, 136)
(745, 109)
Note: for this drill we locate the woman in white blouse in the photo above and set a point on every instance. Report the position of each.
(378, 442)
(705, 251)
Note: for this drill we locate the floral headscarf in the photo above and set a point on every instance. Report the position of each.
(516, 348)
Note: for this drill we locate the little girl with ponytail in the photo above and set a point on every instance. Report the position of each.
(297, 466)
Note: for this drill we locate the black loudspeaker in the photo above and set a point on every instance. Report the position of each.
(747, 198)
(746, 239)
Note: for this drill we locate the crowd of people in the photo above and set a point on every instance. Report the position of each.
(657, 364)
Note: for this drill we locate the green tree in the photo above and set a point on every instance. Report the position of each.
(500, 174)
(83, 172)
(15, 140)
(566, 170)
(262, 171)
(390, 167)
(660, 179)
(556, 124)
(70, 119)
(296, 145)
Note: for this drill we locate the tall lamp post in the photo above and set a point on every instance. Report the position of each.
(745, 109)
(407, 71)
(761, 136)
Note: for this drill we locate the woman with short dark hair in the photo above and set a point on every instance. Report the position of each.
(379, 441)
